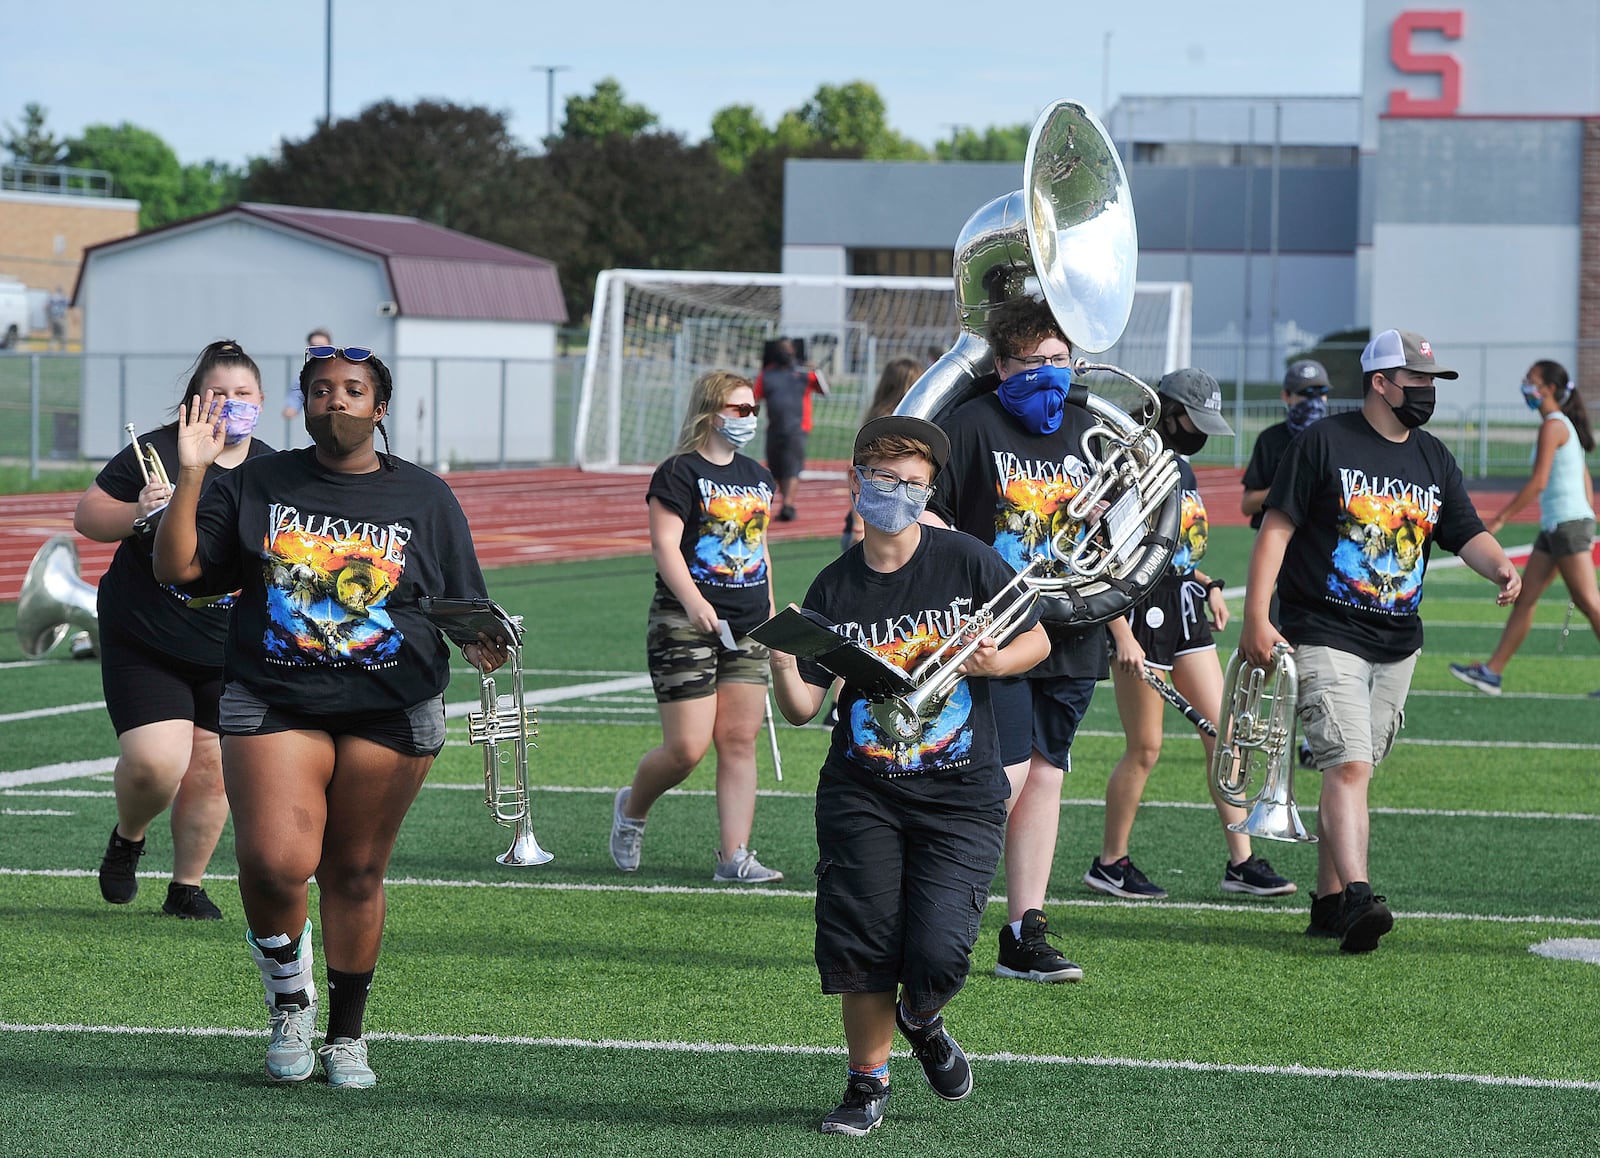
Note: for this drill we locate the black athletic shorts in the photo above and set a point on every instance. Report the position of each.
(786, 454)
(1171, 622)
(414, 731)
(901, 891)
(1040, 713)
(146, 686)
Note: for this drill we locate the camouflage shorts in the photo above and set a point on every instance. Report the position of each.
(686, 663)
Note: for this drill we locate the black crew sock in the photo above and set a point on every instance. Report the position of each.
(347, 1002)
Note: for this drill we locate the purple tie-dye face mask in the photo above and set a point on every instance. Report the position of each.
(238, 420)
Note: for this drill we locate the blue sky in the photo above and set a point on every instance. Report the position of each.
(229, 80)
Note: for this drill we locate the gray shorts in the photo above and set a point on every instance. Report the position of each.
(414, 731)
(1350, 709)
(1573, 537)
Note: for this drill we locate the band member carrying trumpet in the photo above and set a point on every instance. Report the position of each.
(161, 652)
(1351, 519)
(909, 830)
(1171, 635)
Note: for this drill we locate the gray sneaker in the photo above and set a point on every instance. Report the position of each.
(345, 1062)
(744, 869)
(627, 834)
(290, 1057)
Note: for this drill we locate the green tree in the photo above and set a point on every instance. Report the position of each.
(605, 113)
(850, 117)
(207, 187)
(996, 143)
(141, 164)
(738, 134)
(33, 144)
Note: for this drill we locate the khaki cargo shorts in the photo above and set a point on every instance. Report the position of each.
(1350, 709)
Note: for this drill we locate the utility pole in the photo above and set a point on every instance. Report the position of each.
(549, 71)
(327, 65)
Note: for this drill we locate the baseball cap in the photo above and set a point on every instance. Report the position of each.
(906, 427)
(1201, 398)
(1307, 376)
(1397, 349)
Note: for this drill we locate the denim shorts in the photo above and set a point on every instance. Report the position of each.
(901, 890)
(414, 731)
(1574, 537)
(1350, 709)
(1039, 713)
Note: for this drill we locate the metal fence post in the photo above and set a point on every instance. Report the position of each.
(434, 367)
(502, 414)
(1483, 411)
(33, 416)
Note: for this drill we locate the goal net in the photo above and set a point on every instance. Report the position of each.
(653, 332)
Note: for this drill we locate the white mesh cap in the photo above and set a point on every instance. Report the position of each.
(1394, 349)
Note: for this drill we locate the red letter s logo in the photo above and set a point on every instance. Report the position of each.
(1446, 67)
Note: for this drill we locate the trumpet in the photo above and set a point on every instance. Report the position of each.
(150, 467)
(1258, 727)
(907, 717)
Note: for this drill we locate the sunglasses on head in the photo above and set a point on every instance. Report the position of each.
(744, 409)
(348, 353)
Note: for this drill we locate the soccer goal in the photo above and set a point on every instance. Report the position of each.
(653, 332)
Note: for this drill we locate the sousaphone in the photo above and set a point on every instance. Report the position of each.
(55, 600)
(1070, 228)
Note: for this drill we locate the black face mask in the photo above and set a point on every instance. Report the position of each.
(1417, 407)
(1180, 440)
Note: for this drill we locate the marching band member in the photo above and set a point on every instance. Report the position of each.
(1352, 516)
(1014, 465)
(709, 510)
(161, 650)
(909, 832)
(332, 708)
(1171, 635)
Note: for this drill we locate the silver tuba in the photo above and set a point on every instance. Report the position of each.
(1071, 227)
(55, 600)
(1257, 733)
(907, 717)
(500, 720)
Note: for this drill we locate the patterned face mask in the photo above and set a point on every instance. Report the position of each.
(1311, 408)
(889, 511)
(238, 420)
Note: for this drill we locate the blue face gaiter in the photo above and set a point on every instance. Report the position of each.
(1037, 398)
(1302, 414)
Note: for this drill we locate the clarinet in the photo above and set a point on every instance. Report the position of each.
(1174, 697)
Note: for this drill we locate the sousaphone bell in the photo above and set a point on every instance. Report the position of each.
(55, 600)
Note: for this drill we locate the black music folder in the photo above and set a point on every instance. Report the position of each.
(805, 633)
(463, 619)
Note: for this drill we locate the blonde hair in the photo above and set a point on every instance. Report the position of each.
(708, 396)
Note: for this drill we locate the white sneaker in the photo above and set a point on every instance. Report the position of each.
(744, 869)
(627, 834)
(345, 1062)
(290, 1057)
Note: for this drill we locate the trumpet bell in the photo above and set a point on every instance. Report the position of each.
(525, 851)
(55, 600)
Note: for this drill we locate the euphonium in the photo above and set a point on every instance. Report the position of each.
(1071, 227)
(1257, 732)
(906, 717)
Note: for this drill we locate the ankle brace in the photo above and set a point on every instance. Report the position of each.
(282, 977)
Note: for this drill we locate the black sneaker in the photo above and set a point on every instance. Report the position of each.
(190, 903)
(787, 515)
(1255, 877)
(1306, 759)
(1325, 915)
(118, 884)
(1032, 958)
(1364, 919)
(1122, 879)
(943, 1063)
(865, 1100)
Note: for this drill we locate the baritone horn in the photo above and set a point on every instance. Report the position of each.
(1071, 229)
(907, 717)
(55, 600)
(1257, 734)
(503, 724)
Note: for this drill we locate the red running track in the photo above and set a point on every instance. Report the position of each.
(542, 516)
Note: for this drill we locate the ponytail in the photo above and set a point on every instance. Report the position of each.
(1555, 376)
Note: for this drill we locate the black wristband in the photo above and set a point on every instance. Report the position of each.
(1215, 585)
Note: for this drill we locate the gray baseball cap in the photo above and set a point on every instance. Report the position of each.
(1396, 349)
(1201, 398)
(1307, 376)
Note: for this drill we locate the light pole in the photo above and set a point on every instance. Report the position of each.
(327, 65)
(549, 71)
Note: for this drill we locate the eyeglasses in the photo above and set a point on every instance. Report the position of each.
(1035, 361)
(885, 482)
(744, 409)
(348, 353)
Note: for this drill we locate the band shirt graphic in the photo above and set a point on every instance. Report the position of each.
(1194, 528)
(1378, 561)
(730, 550)
(328, 580)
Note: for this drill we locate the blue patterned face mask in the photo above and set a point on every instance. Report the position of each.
(1530, 395)
(1313, 408)
(239, 420)
(1037, 398)
(737, 431)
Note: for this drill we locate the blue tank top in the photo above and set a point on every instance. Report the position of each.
(1564, 498)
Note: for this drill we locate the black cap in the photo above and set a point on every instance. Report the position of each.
(1201, 398)
(1307, 376)
(906, 427)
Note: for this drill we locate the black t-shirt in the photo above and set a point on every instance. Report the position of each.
(1008, 487)
(1366, 513)
(330, 567)
(1271, 445)
(902, 617)
(1194, 529)
(167, 618)
(725, 512)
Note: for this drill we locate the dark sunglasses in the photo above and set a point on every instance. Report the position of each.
(744, 409)
(348, 353)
